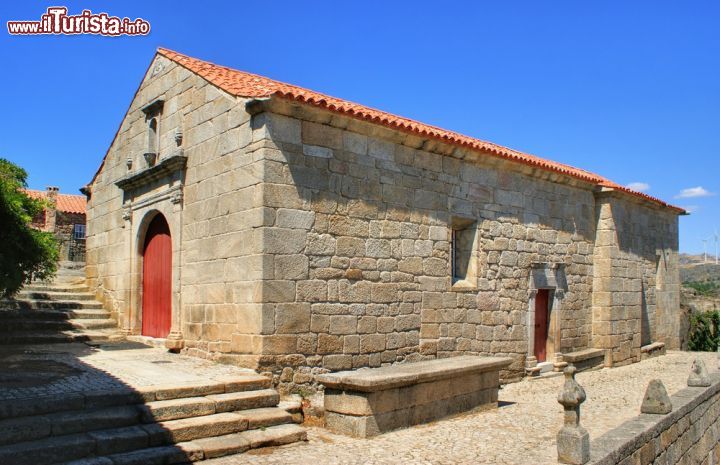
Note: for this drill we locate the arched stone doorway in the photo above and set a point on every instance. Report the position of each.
(157, 279)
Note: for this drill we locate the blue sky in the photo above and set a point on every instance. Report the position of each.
(629, 90)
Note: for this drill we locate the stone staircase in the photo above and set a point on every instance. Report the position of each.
(44, 313)
(154, 425)
(53, 422)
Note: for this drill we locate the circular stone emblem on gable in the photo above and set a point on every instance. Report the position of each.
(157, 68)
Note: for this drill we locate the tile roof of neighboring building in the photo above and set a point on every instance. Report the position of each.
(67, 203)
(244, 84)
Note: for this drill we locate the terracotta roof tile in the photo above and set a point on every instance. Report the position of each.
(67, 203)
(243, 84)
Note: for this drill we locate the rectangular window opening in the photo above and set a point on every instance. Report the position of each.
(464, 254)
(79, 231)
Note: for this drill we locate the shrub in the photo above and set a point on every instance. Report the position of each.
(704, 331)
(705, 288)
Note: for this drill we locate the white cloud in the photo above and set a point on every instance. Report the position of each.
(692, 192)
(691, 208)
(639, 186)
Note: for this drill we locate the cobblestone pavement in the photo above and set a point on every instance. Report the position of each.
(521, 431)
(42, 370)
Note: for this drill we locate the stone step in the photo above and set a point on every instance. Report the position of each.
(198, 449)
(188, 407)
(53, 295)
(104, 435)
(163, 433)
(44, 287)
(121, 423)
(87, 314)
(266, 417)
(51, 337)
(78, 273)
(175, 409)
(188, 429)
(33, 406)
(35, 324)
(48, 451)
(50, 304)
(240, 383)
(164, 455)
(294, 408)
(233, 401)
(241, 442)
(15, 430)
(54, 315)
(94, 323)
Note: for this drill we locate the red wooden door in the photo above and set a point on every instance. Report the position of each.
(541, 324)
(157, 279)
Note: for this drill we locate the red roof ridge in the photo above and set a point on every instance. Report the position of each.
(245, 84)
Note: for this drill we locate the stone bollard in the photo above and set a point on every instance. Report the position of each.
(656, 400)
(698, 374)
(573, 441)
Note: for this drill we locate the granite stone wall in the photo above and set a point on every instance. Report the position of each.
(305, 242)
(363, 275)
(636, 296)
(212, 208)
(690, 434)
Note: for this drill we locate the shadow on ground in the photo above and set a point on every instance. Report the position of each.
(55, 408)
(123, 403)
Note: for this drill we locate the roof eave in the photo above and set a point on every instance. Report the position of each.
(409, 126)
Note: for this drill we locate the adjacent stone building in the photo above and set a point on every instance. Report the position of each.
(267, 225)
(63, 215)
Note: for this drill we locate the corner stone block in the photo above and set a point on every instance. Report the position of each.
(282, 128)
(295, 219)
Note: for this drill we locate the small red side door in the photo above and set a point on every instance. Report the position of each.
(157, 279)
(541, 324)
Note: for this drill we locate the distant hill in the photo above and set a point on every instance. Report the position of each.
(687, 259)
(701, 276)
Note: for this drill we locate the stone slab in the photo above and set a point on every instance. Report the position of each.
(582, 355)
(394, 376)
(372, 425)
(371, 402)
(652, 350)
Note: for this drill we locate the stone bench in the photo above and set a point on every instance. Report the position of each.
(369, 402)
(652, 350)
(585, 359)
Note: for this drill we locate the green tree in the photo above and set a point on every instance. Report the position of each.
(25, 253)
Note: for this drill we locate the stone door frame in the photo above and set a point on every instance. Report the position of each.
(551, 277)
(137, 216)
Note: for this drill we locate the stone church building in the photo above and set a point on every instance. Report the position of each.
(263, 224)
